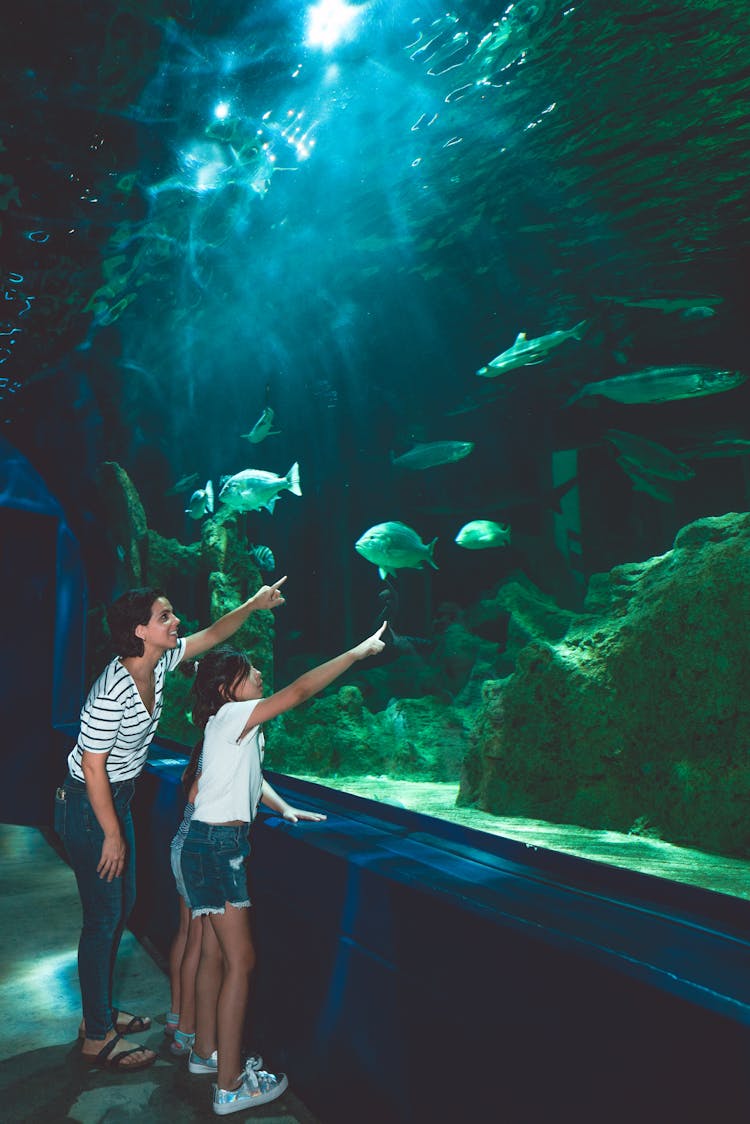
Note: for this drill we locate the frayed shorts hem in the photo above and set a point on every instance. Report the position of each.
(204, 910)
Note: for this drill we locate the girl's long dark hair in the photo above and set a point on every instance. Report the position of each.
(191, 769)
(217, 674)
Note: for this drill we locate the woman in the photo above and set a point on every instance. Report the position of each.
(92, 816)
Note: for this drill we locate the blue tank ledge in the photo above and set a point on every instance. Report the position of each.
(686, 941)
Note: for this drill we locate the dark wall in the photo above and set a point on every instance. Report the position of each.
(43, 607)
(30, 754)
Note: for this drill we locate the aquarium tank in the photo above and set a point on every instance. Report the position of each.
(442, 314)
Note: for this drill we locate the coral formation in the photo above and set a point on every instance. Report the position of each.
(634, 714)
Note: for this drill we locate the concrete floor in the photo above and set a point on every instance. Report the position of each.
(41, 1079)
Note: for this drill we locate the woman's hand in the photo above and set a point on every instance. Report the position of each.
(268, 596)
(112, 862)
(372, 645)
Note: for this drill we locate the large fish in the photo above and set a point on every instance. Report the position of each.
(394, 546)
(253, 489)
(662, 384)
(525, 352)
(263, 428)
(432, 454)
(650, 458)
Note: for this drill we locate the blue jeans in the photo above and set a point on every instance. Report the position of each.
(106, 905)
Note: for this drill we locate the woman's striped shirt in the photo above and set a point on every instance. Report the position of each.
(114, 719)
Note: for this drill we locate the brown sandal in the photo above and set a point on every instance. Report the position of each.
(131, 1024)
(106, 1060)
(124, 1024)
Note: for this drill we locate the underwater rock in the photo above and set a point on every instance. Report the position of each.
(423, 739)
(329, 735)
(637, 712)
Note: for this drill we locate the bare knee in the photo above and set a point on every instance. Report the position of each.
(240, 961)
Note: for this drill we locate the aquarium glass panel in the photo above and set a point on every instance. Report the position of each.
(442, 315)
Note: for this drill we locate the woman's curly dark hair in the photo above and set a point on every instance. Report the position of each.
(123, 616)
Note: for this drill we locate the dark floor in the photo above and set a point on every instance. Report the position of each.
(40, 1077)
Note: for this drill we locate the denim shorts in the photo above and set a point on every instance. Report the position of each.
(213, 867)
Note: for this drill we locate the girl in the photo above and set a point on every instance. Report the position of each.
(228, 705)
(92, 806)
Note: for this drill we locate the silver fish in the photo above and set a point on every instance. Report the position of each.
(651, 458)
(394, 546)
(253, 489)
(525, 352)
(263, 555)
(201, 502)
(667, 304)
(662, 384)
(263, 428)
(482, 534)
(433, 453)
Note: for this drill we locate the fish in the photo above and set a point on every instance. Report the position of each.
(547, 499)
(433, 453)
(662, 490)
(263, 428)
(698, 312)
(662, 384)
(526, 352)
(482, 534)
(184, 484)
(650, 457)
(667, 304)
(394, 546)
(252, 489)
(719, 447)
(263, 555)
(201, 502)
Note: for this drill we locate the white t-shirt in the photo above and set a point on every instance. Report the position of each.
(232, 776)
(114, 719)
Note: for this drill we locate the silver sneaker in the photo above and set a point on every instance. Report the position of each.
(256, 1089)
(197, 1064)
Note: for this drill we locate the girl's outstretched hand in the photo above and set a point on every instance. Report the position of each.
(372, 645)
(295, 814)
(269, 596)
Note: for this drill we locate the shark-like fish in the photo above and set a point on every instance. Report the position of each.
(525, 352)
